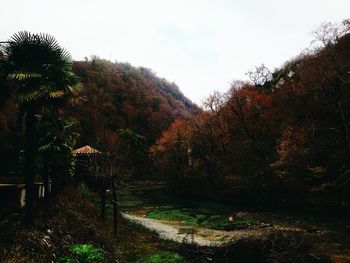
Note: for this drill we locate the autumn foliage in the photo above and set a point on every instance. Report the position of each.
(119, 96)
(277, 140)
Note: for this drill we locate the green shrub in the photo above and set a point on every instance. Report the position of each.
(82, 253)
(84, 190)
(168, 257)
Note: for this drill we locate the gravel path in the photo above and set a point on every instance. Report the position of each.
(199, 236)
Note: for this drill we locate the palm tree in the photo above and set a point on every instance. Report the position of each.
(57, 138)
(45, 81)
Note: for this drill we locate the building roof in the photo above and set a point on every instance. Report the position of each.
(87, 149)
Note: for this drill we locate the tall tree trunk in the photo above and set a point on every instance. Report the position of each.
(18, 136)
(103, 198)
(115, 209)
(28, 171)
(45, 174)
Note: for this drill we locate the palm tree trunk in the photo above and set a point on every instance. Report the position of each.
(28, 171)
(18, 136)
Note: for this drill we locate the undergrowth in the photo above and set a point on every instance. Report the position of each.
(168, 257)
(82, 253)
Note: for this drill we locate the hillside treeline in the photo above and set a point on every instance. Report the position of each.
(113, 96)
(118, 96)
(279, 140)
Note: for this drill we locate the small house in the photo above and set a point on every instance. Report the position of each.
(86, 157)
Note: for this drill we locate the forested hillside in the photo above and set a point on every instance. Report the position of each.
(118, 96)
(113, 96)
(280, 139)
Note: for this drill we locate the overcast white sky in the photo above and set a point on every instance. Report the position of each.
(202, 45)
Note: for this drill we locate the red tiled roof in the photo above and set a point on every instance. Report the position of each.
(86, 150)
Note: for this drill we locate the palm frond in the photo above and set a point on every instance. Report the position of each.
(43, 68)
(21, 36)
(56, 94)
(29, 95)
(21, 76)
(46, 148)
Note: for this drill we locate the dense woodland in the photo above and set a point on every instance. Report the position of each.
(278, 140)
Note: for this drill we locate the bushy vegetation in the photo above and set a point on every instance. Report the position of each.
(163, 257)
(83, 253)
